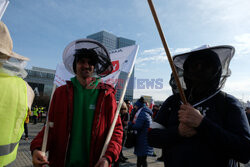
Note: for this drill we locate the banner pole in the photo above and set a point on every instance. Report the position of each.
(46, 131)
(118, 108)
(183, 98)
(5, 5)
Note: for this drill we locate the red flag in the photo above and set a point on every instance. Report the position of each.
(152, 104)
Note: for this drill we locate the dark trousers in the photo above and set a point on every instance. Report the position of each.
(116, 164)
(34, 119)
(142, 161)
(40, 118)
(26, 130)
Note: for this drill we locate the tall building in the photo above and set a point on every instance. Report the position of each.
(123, 42)
(111, 42)
(107, 39)
(41, 80)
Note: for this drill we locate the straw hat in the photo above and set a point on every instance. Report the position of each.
(6, 44)
(103, 66)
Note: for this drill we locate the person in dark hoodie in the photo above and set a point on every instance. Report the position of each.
(142, 118)
(212, 129)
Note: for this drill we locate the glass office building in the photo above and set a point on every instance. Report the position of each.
(111, 42)
(41, 80)
(107, 39)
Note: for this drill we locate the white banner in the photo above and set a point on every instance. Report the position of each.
(122, 60)
(62, 75)
(3, 6)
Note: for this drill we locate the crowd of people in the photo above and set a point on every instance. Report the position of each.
(210, 130)
(38, 114)
(34, 114)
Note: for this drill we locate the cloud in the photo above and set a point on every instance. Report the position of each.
(239, 88)
(141, 69)
(223, 11)
(152, 59)
(152, 55)
(242, 45)
(157, 94)
(157, 55)
(238, 85)
(153, 51)
(180, 50)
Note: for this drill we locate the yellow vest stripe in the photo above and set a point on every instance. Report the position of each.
(7, 149)
(10, 164)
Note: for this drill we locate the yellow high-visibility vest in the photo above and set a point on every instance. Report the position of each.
(13, 111)
(35, 112)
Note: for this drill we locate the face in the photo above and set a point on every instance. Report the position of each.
(123, 108)
(84, 68)
(201, 67)
(155, 107)
(201, 75)
(199, 71)
(128, 104)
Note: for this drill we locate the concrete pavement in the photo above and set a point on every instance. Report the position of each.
(24, 157)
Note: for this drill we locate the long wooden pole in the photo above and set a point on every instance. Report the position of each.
(46, 131)
(4, 5)
(111, 130)
(183, 98)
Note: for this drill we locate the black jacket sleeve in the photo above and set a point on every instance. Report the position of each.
(232, 141)
(168, 136)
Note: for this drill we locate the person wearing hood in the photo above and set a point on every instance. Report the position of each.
(212, 128)
(16, 96)
(82, 112)
(141, 121)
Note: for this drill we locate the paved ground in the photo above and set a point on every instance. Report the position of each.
(24, 156)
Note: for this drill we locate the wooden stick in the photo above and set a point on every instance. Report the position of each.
(46, 131)
(4, 7)
(110, 133)
(183, 98)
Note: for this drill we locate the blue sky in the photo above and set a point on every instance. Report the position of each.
(42, 28)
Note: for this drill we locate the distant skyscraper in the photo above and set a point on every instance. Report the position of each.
(107, 39)
(123, 42)
(111, 42)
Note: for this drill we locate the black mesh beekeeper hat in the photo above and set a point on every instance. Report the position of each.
(210, 64)
(91, 49)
